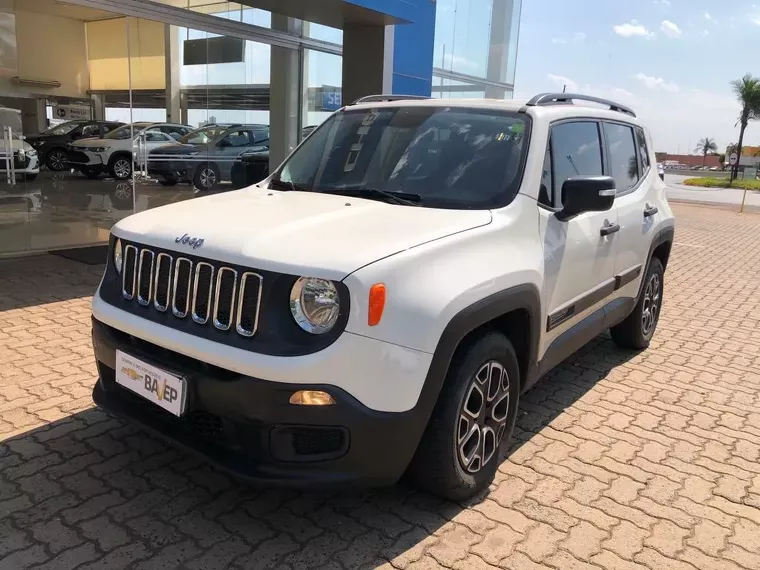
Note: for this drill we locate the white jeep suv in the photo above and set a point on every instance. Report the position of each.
(118, 151)
(377, 305)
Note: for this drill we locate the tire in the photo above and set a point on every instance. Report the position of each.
(121, 167)
(90, 173)
(446, 462)
(56, 160)
(637, 329)
(168, 182)
(206, 176)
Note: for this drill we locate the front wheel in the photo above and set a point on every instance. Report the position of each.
(637, 329)
(56, 160)
(206, 177)
(475, 414)
(121, 168)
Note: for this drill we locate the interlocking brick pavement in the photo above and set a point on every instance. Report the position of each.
(620, 460)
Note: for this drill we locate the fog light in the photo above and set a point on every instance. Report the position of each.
(311, 398)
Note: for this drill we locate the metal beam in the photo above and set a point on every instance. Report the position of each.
(185, 18)
(473, 79)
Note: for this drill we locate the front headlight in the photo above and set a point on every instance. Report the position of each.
(97, 149)
(118, 256)
(31, 152)
(314, 304)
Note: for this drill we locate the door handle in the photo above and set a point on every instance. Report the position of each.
(608, 229)
(650, 211)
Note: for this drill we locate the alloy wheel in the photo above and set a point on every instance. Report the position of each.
(208, 177)
(482, 417)
(123, 190)
(651, 306)
(122, 168)
(57, 160)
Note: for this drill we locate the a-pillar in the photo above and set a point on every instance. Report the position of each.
(285, 82)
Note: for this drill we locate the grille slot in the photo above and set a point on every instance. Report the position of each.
(249, 299)
(129, 272)
(224, 299)
(206, 291)
(162, 283)
(203, 286)
(183, 273)
(145, 277)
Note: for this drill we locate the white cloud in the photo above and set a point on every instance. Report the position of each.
(708, 16)
(578, 38)
(756, 20)
(632, 29)
(670, 29)
(657, 83)
(562, 81)
(662, 2)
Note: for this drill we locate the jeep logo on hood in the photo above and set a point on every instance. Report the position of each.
(185, 239)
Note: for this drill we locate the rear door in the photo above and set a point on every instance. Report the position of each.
(636, 179)
(579, 253)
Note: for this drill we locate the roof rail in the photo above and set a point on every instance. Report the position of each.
(568, 98)
(381, 98)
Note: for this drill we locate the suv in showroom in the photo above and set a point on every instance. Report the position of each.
(378, 304)
(117, 152)
(51, 145)
(206, 155)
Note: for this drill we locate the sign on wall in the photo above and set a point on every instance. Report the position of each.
(331, 99)
(72, 112)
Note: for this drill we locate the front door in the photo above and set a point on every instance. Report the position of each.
(579, 253)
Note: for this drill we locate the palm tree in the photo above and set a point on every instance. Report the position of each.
(747, 90)
(706, 146)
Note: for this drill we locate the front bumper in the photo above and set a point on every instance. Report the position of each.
(170, 169)
(246, 425)
(78, 158)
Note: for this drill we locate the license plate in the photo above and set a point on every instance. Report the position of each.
(154, 384)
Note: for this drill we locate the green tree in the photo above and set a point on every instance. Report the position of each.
(747, 91)
(706, 146)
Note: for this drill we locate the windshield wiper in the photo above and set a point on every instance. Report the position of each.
(403, 198)
(283, 185)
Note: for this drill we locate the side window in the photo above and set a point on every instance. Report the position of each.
(90, 131)
(641, 140)
(546, 191)
(576, 150)
(624, 165)
(237, 139)
(156, 136)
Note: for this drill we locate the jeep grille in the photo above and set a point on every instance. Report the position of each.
(205, 292)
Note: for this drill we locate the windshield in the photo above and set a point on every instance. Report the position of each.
(63, 128)
(202, 136)
(449, 157)
(125, 132)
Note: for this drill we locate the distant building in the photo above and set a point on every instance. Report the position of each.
(692, 160)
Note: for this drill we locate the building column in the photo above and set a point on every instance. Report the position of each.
(284, 94)
(173, 73)
(41, 113)
(498, 54)
(98, 106)
(367, 61)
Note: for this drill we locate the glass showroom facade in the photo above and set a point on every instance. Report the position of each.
(110, 107)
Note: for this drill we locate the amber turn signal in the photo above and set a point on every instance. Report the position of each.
(376, 304)
(311, 398)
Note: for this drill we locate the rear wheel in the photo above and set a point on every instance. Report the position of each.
(475, 414)
(56, 160)
(637, 329)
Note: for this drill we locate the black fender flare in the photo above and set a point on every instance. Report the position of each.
(521, 297)
(665, 235)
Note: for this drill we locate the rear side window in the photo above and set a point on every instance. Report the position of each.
(576, 150)
(641, 141)
(624, 164)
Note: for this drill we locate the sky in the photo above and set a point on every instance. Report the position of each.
(670, 60)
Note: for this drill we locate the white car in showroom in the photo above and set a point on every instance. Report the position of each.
(18, 159)
(118, 151)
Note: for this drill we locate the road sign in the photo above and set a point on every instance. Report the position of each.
(331, 99)
(733, 159)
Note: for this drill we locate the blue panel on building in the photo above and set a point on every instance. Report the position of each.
(413, 42)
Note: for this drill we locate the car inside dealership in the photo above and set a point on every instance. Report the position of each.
(111, 107)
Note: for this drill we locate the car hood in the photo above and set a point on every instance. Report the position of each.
(178, 148)
(298, 233)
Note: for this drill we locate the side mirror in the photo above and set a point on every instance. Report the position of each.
(587, 194)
